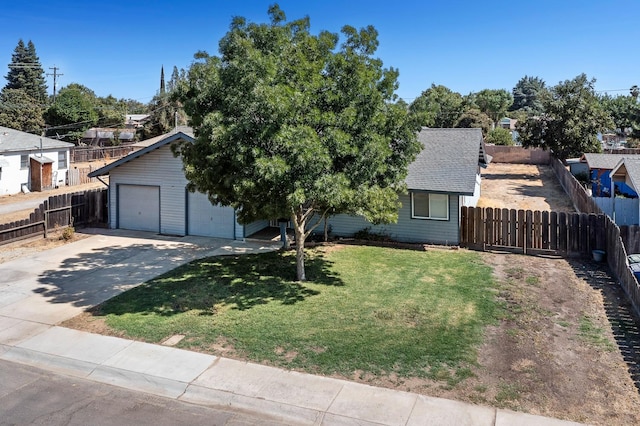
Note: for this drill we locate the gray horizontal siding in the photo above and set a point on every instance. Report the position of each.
(254, 227)
(406, 229)
(157, 167)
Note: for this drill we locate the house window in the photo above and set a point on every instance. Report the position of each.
(62, 159)
(425, 205)
(24, 161)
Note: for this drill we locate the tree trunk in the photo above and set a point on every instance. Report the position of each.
(326, 230)
(300, 237)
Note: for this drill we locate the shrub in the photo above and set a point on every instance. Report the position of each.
(68, 233)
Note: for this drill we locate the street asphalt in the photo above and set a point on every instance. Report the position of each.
(39, 292)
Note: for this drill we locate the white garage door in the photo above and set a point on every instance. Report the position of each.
(207, 220)
(139, 207)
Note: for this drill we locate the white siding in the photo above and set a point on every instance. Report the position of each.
(472, 201)
(406, 229)
(158, 167)
(12, 177)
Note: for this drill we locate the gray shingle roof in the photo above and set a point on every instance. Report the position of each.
(632, 166)
(606, 161)
(448, 162)
(12, 140)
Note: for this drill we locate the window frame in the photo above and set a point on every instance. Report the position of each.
(65, 158)
(24, 161)
(429, 201)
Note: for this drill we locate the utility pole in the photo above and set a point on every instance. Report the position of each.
(55, 75)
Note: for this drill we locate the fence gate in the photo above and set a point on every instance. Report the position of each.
(532, 232)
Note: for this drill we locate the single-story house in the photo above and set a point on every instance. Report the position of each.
(444, 176)
(600, 167)
(624, 208)
(147, 191)
(31, 162)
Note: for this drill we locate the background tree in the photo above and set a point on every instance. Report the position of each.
(25, 72)
(527, 95)
(493, 102)
(299, 127)
(20, 111)
(625, 113)
(573, 117)
(73, 113)
(499, 136)
(437, 106)
(165, 109)
(475, 119)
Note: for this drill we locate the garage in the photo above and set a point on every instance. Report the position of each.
(207, 220)
(139, 207)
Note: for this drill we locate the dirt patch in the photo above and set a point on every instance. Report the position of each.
(33, 245)
(522, 186)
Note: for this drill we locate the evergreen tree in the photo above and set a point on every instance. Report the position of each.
(26, 72)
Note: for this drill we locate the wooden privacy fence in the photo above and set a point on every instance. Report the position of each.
(80, 176)
(59, 211)
(616, 251)
(532, 232)
(84, 154)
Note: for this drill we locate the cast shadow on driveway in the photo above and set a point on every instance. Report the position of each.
(89, 278)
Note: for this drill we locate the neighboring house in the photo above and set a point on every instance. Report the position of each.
(510, 125)
(135, 121)
(31, 162)
(444, 177)
(600, 167)
(147, 191)
(624, 208)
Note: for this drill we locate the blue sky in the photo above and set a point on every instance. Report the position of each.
(118, 47)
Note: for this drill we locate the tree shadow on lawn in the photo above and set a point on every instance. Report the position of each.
(624, 323)
(238, 282)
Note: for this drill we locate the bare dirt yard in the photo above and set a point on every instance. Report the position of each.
(567, 345)
(522, 186)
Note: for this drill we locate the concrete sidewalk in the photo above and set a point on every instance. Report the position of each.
(40, 292)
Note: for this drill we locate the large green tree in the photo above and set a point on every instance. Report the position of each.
(527, 95)
(291, 125)
(493, 102)
(20, 111)
(573, 116)
(73, 113)
(25, 72)
(437, 106)
(475, 119)
(625, 113)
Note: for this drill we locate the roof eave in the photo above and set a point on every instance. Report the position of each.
(103, 171)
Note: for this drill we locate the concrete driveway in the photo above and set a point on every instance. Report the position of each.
(55, 285)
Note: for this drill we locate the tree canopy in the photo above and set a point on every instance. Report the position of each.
(572, 118)
(73, 112)
(289, 125)
(26, 73)
(527, 95)
(20, 111)
(437, 106)
(493, 102)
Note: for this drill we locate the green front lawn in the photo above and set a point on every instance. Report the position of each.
(364, 309)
